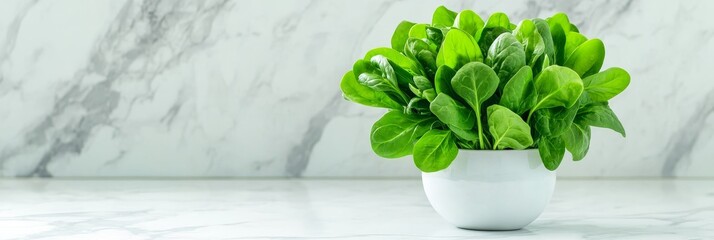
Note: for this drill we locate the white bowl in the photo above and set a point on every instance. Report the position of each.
(491, 190)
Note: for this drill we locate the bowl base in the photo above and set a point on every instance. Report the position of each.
(489, 229)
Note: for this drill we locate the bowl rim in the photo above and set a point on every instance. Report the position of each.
(502, 150)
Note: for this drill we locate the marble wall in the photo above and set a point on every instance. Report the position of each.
(250, 88)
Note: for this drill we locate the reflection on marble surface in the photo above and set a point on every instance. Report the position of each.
(336, 209)
(250, 88)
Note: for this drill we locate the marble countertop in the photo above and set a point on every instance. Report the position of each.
(335, 209)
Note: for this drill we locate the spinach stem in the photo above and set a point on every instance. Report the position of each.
(528, 119)
(480, 130)
(403, 96)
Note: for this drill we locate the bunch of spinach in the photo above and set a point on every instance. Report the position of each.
(462, 83)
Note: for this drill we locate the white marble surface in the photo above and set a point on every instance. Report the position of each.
(336, 209)
(250, 88)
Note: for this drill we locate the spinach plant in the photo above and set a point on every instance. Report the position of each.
(464, 83)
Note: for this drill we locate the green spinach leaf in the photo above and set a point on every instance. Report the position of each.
(468, 135)
(600, 115)
(423, 88)
(549, 47)
(435, 35)
(423, 53)
(552, 122)
(469, 21)
(418, 106)
(498, 19)
(443, 17)
(552, 151)
(519, 92)
(429, 94)
(459, 48)
(587, 58)
(458, 118)
(508, 129)
(559, 28)
(573, 41)
(442, 80)
(475, 83)
(557, 86)
(400, 35)
(418, 31)
(380, 76)
(452, 112)
(577, 140)
(396, 57)
(356, 92)
(506, 56)
(422, 83)
(395, 133)
(531, 40)
(607, 84)
(497, 24)
(435, 150)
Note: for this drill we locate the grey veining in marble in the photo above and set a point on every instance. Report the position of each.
(250, 88)
(336, 209)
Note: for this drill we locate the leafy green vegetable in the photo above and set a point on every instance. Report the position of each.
(429, 94)
(435, 150)
(395, 133)
(435, 35)
(423, 88)
(423, 53)
(422, 83)
(531, 40)
(443, 17)
(508, 129)
(475, 82)
(498, 19)
(497, 24)
(356, 92)
(380, 76)
(559, 28)
(469, 21)
(457, 117)
(545, 64)
(557, 87)
(519, 94)
(587, 58)
(451, 112)
(552, 151)
(572, 41)
(600, 115)
(397, 58)
(401, 34)
(607, 84)
(577, 140)
(459, 48)
(467, 135)
(544, 31)
(533, 85)
(442, 80)
(506, 56)
(554, 121)
(418, 31)
(418, 106)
